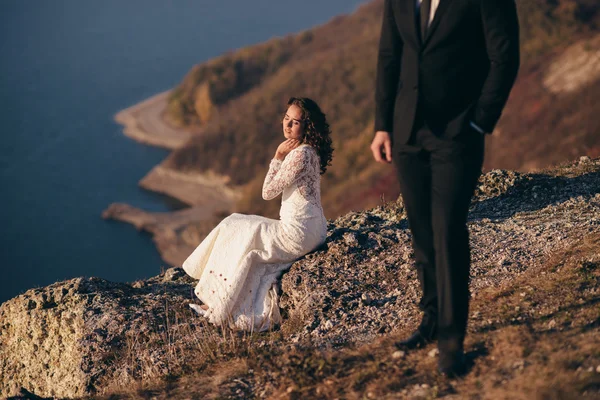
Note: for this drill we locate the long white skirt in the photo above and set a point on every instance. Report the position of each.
(239, 263)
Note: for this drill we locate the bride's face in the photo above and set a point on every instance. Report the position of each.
(293, 127)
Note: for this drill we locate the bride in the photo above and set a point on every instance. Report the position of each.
(239, 263)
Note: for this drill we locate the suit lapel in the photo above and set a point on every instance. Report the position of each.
(439, 13)
(412, 13)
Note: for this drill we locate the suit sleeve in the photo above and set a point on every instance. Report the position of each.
(501, 31)
(388, 70)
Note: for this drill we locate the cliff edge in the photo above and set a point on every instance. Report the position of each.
(535, 284)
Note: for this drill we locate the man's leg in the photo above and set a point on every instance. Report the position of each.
(455, 169)
(414, 176)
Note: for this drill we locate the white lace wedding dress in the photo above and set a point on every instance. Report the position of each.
(239, 263)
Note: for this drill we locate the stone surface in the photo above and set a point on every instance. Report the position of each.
(77, 337)
(364, 281)
(63, 340)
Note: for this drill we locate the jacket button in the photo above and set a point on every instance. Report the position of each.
(415, 87)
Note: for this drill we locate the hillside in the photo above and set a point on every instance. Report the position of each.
(236, 101)
(534, 327)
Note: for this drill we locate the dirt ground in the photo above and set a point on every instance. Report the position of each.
(536, 337)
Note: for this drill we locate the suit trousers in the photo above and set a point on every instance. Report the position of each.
(437, 177)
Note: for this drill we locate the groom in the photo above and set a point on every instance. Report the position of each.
(445, 70)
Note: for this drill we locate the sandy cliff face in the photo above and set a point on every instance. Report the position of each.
(577, 66)
(87, 335)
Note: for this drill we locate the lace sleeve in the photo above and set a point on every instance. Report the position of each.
(273, 169)
(283, 174)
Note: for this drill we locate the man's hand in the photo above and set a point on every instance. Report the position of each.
(382, 147)
(285, 147)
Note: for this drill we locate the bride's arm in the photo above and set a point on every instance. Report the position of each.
(283, 174)
(274, 167)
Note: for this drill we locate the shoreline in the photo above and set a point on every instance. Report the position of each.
(194, 189)
(174, 233)
(144, 123)
(207, 195)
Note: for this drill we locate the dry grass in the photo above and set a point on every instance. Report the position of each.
(185, 352)
(537, 337)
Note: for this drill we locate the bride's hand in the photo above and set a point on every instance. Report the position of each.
(285, 147)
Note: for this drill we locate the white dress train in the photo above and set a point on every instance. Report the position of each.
(239, 263)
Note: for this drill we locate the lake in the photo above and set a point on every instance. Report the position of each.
(66, 67)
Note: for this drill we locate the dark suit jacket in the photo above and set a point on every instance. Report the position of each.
(462, 71)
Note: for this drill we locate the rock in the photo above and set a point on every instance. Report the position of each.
(520, 364)
(173, 274)
(24, 394)
(420, 392)
(73, 338)
(366, 299)
(138, 284)
(503, 261)
(398, 354)
(363, 250)
(432, 353)
(64, 340)
(351, 239)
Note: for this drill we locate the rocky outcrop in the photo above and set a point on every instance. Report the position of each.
(81, 336)
(71, 338)
(364, 284)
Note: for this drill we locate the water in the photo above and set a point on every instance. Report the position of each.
(66, 67)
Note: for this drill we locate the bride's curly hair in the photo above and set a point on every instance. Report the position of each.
(316, 129)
